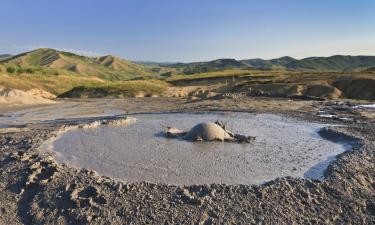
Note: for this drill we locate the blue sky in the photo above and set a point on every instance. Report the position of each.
(190, 30)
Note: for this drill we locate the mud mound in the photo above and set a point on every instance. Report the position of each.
(41, 93)
(337, 137)
(207, 132)
(322, 90)
(31, 97)
(357, 89)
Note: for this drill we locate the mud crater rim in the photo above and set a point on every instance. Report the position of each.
(345, 142)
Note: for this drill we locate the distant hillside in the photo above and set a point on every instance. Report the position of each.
(203, 67)
(337, 62)
(371, 69)
(106, 67)
(54, 62)
(279, 63)
(4, 57)
(151, 63)
(332, 63)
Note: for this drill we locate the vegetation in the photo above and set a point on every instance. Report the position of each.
(4, 57)
(333, 63)
(372, 70)
(11, 69)
(118, 89)
(50, 61)
(14, 68)
(204, 67)
(223, 73)
(70, 75)
(51, 83)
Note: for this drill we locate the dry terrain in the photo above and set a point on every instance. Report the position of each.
(35, 189)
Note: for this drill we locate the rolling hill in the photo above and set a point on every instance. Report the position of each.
(335, 63)
(279, 63)
(372, 69)
(332, 63)
(4, 56)
(113, 68)
(203, 67)
(105, 67)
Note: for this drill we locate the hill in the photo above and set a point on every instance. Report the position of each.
(106, 67)
(4, 57)
(279, 63)
(203, 67)
(314, 85)
(332, 63)
(372, 69)
(335, 63)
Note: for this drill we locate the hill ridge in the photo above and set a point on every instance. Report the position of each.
(106, 67)
(338, 63)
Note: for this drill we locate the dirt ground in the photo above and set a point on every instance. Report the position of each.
(35, 189)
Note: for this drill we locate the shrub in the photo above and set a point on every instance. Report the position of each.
(29, 70)
(20, 70)
(11, 69)
(167, 74)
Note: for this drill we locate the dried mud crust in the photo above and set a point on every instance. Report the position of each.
(34, 189)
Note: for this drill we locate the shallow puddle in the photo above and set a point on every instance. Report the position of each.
(140, 152)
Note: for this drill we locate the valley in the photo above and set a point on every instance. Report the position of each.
(68, 75)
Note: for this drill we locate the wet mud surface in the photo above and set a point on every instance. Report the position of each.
(140, 151)
(35, 189)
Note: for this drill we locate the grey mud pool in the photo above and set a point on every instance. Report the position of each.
(139, 150)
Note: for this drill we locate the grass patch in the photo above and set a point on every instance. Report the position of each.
(53, 62)
(51, 83)
(141, 88)
(18, 69)
(223, 73)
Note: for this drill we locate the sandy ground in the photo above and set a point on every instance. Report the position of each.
(35, 189)
(30, 97)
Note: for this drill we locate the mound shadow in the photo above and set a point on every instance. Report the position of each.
(330, 134)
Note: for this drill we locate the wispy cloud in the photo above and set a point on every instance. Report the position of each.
(72, 50)
(80, 52)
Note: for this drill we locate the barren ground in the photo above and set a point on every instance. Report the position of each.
(35, 189)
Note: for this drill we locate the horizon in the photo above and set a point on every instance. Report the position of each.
(161, 62)
(191, 31)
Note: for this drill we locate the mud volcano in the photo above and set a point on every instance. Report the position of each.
(208, 132)
(140, 151)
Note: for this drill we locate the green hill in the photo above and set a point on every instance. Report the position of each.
(106, 67)
(332, 63)
(372, 69)
(4, 57)
(204, 67)
(50, 61)
(279, 63)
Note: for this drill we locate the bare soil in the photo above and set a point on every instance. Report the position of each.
(31, 97)
(35, 189)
